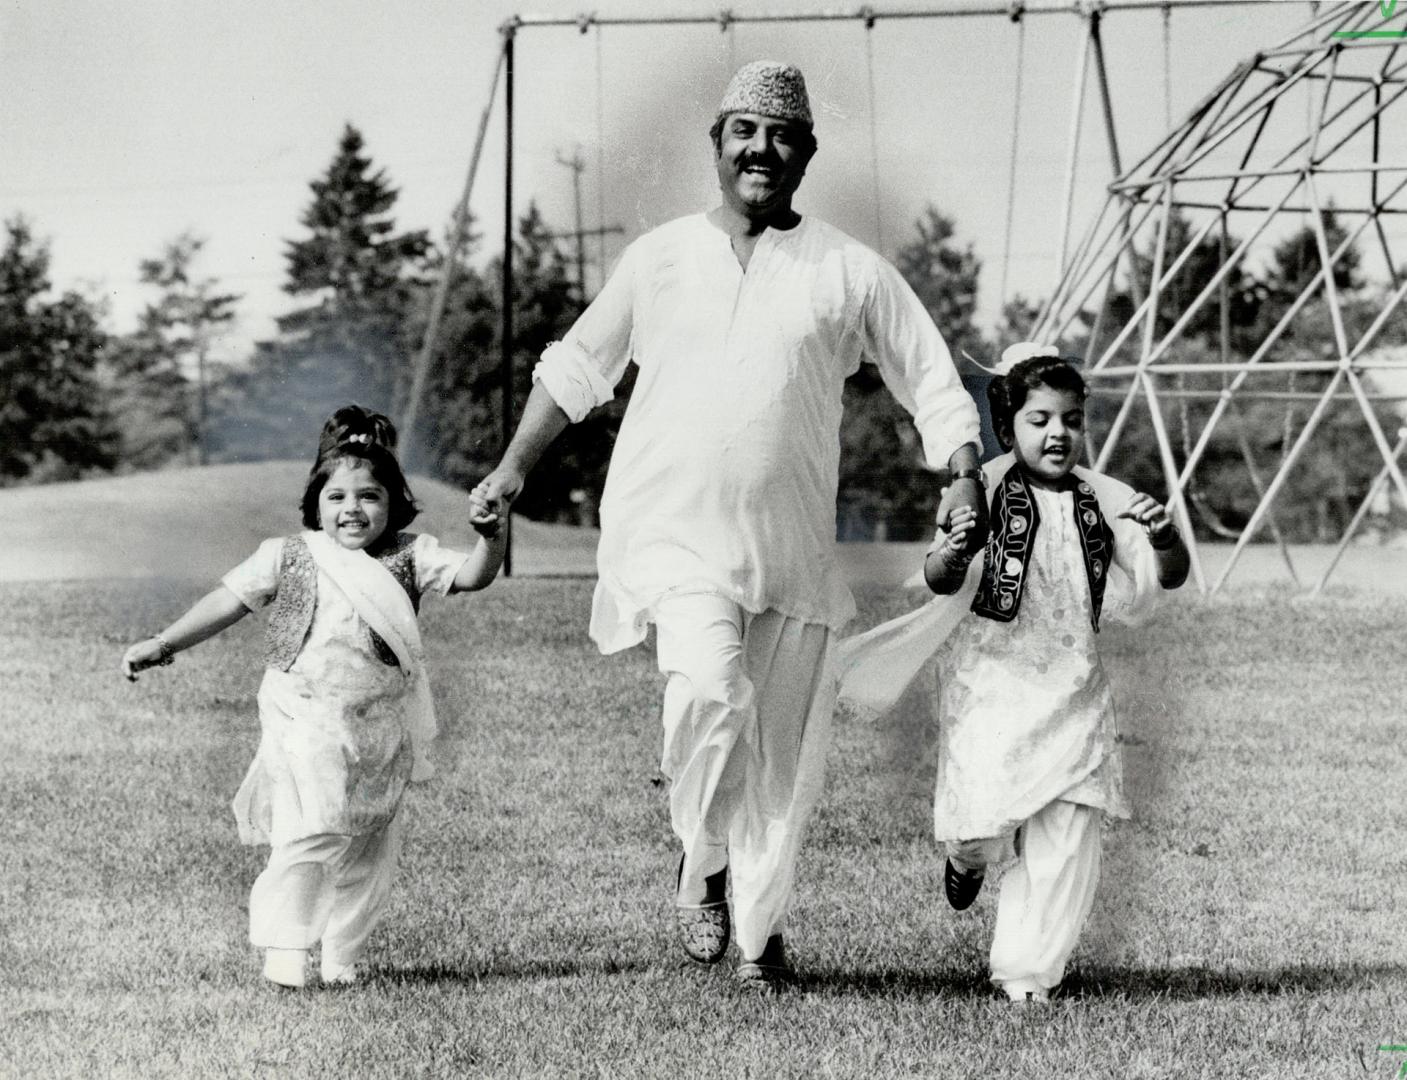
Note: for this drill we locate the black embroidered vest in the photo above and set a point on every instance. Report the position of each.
(1014, 520)
(291, 613)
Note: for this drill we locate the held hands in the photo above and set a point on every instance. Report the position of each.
(490, 499)
(153, 652)
(946, 566)
(965, 495)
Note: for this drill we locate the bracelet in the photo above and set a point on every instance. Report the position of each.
(168, 654)
(1168, 541)
(969, 474)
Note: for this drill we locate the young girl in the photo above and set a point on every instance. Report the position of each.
(1028, 762)
(344, 708)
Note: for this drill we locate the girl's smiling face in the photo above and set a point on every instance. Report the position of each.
(353, 507)
(1048, 434)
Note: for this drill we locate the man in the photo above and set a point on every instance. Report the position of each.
(718, 518)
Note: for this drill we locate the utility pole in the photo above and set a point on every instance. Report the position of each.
(578, 166)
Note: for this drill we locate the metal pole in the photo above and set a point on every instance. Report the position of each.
(437, 307)
(506, 337)
(1077, 114)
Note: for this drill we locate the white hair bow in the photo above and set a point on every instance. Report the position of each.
(1014, 354)
(362, 438)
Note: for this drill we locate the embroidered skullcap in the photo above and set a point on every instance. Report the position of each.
(768, 88)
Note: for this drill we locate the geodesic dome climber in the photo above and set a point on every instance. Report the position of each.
(1309, 135)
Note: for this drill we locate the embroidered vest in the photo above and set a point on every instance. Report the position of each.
(1014, 520)
(291, 613)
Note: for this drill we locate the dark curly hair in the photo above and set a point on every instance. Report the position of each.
(355, 422)
(358, 436)
(1007, 393)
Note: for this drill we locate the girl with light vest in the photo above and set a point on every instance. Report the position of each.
(344, 708)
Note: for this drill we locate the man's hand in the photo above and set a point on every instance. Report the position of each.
(491, 498)
(965, 495)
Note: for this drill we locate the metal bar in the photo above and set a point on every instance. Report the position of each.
(1249, 458)
(1360, 514)
(1076, 117)
(1175, 491)
(1275, 485)
(459, 229)
(951, 9)
(1245, 395)
(506, 337)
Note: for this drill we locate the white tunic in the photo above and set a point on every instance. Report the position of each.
(1025, 712)
(723, 478)
(335, 750)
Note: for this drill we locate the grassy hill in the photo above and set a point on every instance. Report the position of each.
(197, 523)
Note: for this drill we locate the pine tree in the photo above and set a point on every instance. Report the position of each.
(164, 366)
(52, 420)
(353, 340)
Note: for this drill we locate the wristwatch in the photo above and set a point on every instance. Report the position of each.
(970, 474)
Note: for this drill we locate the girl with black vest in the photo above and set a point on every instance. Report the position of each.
(344, 707)
(1027, 755)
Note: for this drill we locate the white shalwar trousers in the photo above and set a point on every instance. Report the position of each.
(747, 713)
(329, 888)
(1046, 895)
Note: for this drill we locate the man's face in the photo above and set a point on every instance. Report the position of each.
(761, 161)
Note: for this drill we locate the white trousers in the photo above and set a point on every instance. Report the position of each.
(1046, 895)
(747, 713)
(327, 888)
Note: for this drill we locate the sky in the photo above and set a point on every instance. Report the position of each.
(124, 124)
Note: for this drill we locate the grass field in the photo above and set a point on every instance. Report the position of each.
(1248, 924)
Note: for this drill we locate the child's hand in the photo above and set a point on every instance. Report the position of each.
(1149, 513)
(153, 652)
(960, 526)
(945, 569)
(486, 513)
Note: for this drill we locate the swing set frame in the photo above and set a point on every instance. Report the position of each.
(1094, 264)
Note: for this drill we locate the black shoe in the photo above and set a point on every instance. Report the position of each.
(770, 973)
(961, 887)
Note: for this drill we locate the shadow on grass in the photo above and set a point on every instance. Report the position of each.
(506, 969)
(1189, 983)
(1176, 984)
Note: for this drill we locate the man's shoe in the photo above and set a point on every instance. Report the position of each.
(704, 929)
(961, 887)
(770, 973)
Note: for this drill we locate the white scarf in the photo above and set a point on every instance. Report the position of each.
(381, 602)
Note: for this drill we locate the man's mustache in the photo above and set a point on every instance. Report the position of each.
(766, 161)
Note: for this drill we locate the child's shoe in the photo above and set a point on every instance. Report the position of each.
(961, 886)
(1021, 992)
(335, 974)
(286, 967)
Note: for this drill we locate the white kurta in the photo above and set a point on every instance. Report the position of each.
(723, 478)
(335, 751)
(1025, 712)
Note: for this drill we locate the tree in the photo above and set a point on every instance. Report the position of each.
(460, 418)
(885, 489)
(352, 340)
(164, 364)
(52, 421)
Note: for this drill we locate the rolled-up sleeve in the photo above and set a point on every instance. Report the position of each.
(913, 359)
(581, 370)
